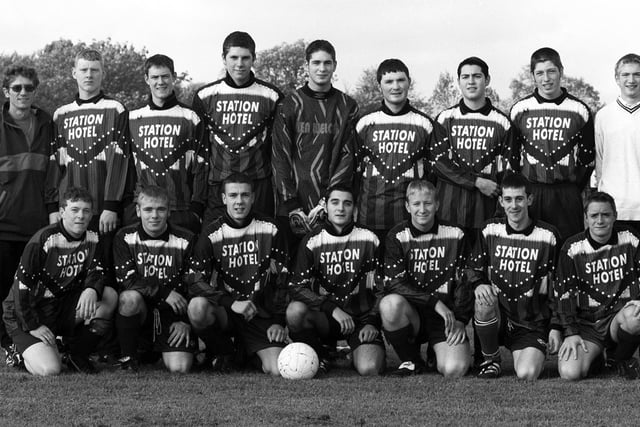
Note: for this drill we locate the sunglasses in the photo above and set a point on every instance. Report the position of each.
(18, 88)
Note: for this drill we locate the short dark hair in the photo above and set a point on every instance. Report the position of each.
(14, 71)
(153, 192)
(629, 58)
(391, 65)
(600, 197)
(515, 180)
(318, 45)
(474, 60)
(74, 194)
(239, 39)
(158, 61)
(339, 187)
(237, 178)
(89, 55)
(546, 54)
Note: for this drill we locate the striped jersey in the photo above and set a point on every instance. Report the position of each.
(469, 144)
(425, 267)
(313, 146)
(392, 150)
(169, 150)
(596, 280)
(339, 270)
(152, 266)
(53, 264)
(555, 140)
(91, 149)
(234, 262)
(520, 266)
(238, 123)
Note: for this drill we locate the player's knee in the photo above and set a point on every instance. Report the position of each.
(109, 301)
(391, 308)
(296, 314)
(453, 368)
(629, 322)
(198, 310)
(368, 368)
(130, 303)
(43, 369)
(270, 367)
(570, 371)
(527, 372)
(483, 311)
(179, 365)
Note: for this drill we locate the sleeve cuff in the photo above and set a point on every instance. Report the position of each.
(197, 208)
(111, 205)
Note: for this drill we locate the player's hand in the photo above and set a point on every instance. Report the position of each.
(298, 222)
(636, 304)
(54, 217)
(368, 333)
(276, 333)
(485, 295)
(487, 187)
(571, 346)
(247, 309)
(447, 315)
(555, 341)
(457, 333)
(347, 325)
(317, 214)
(197, 217)
(177, 302)
(108, 221)
(44, 334)
(87, 304)
(179, 332)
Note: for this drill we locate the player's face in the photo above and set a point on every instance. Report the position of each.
(340, 208)
(395, 88)
(238, 197)
(472, 82)
(600, 218)
(548, 78)
(88, 75)
(238, 63)
(161, 82)
(76, 216)
(515, 203)
(628, 79)
(422, 206)
(320, 67)
(153, 214)
(20, 93)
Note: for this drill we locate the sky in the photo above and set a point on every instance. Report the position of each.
(430, 36)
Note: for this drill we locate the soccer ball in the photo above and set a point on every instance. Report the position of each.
(298, 361)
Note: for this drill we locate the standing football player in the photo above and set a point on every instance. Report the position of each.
(512, 272)
(59, 290)
(598, 287)
(554, 145)
(617, 131)
(167, 142)
(313, 142)
(246, 256)
(238, 111)
(335, 287)
(425, 298)
(150, 262)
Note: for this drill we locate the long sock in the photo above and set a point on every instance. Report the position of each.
(310, 336)
(216, 341)
(488, 336)
(404, 344)
(84, 342)
(128, 333)
(627, 345)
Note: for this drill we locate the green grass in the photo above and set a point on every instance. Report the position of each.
(155, 397)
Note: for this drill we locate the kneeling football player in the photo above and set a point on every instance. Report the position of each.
(150, 262)
(598, 292)
(60, 290)
(424, 299)
(335, 287)
(246, 255)
(512, 272)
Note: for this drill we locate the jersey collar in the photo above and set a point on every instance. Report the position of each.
(68, 236)
(93, 100)
(317, 95)
(556, 101)
(145, 236)
(415, 232)
(407, 107)
(229, 81)
(485, 110)
(528, 230)
(170, 102)
(231, 223)
(613, 240)
(332, 230)
(629, 108)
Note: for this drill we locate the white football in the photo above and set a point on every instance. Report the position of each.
(298, 361)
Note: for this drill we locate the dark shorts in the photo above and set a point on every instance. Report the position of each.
(253, 334)
(264, 202)
(431, 326)
(559, 205)
(156, 329)
(598, 332)
(517, 337)
(353, 338)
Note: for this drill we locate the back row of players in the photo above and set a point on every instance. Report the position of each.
(236, 274)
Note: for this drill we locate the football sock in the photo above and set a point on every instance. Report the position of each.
(404, 344)
(84, 341)
(627, 345)
(488, 335)
(309, 336)
(128, 332)
(217, 342)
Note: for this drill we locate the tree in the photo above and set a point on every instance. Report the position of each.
(283, 66)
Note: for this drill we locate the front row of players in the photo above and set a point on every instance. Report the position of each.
(230, 288)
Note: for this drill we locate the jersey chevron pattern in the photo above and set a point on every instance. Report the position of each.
(477, 144)
(313, 146)
(520, 265)
(425, 267)
(238, 121)
(595, 280)
(554, 138)
(169, 151)
(91, 149)
(152, 266)
(339, 270)
(392, 151)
